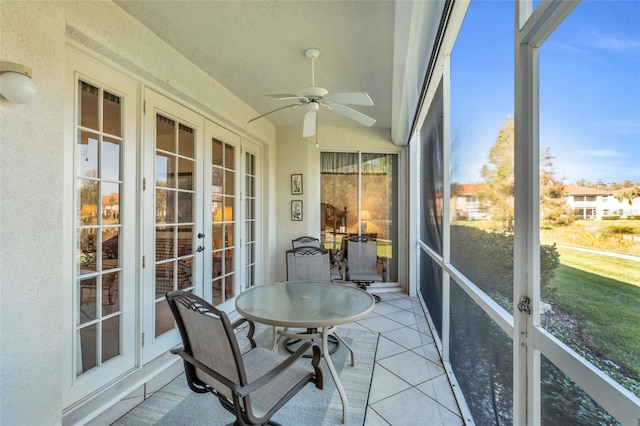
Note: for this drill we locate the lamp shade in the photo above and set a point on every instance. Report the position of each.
(18, 87)
(228, 214)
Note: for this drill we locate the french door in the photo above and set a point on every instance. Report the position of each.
(231, 207)
(173, 222)
(199, 215)
(176, 211)
(251, 169)
(100, 247)
(222, 188)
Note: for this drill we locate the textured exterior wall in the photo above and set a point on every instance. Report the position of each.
(31, 208)
(32, 172)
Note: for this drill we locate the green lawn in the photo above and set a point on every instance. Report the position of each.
(620, 236)
(605, 293)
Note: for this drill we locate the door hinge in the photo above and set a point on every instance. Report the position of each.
(144, 184)
(525, 305)
(144, 107)
(142, 339)
(144, 262)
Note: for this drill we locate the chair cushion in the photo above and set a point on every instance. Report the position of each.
(257, 362)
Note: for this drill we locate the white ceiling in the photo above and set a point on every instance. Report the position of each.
(257, 47)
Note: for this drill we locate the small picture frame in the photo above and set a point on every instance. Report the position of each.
(296, 184)
(296, 210)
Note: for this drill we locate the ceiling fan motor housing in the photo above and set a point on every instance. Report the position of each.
(313, 92)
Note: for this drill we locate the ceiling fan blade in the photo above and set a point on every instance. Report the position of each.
(275, 110)
(309, 126)
(285, 96)
(350, 98)
(365, 120)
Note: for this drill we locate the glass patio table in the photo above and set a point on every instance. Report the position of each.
(307, 305)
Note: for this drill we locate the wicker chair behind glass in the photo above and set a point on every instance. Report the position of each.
(252, 385)
(309, 263)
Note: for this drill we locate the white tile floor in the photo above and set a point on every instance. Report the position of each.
(409, 384)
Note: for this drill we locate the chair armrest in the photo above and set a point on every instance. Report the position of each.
(191, 360)
(252, 329)
(243, 391)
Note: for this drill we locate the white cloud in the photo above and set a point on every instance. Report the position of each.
(612, 43)
(602, 153)
(626, 127)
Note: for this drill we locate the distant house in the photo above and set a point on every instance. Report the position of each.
(627, 209)
(465, 203)
(592, 203)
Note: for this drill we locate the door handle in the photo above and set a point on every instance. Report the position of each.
(199, 249)
(201, 235)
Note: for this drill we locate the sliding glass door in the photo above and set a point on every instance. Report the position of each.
(359, 197)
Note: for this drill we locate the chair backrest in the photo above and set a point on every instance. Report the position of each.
(207, 335)
(308, 263)
(305, 241)
(362, 255)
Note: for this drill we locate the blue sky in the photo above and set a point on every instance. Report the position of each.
(589, 90)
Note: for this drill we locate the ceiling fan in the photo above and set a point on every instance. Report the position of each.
(314, 97)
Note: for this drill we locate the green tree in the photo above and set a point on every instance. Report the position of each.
(497, 194)
(629, 195)
(554, 210)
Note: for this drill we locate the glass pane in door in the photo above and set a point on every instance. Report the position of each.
(249, 219)
(338, 198)
(98, 266)
(378, 206)
(223, 223)
(174, 206)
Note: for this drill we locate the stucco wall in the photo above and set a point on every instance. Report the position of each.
(32, 170)
(31, 209)
(300, 155)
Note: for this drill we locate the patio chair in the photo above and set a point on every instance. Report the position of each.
(335, 260)
(309, 263)
(252, 385)
(305, 241)
(362, 262)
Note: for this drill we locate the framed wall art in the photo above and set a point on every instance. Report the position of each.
(296, 210)
(296, 184)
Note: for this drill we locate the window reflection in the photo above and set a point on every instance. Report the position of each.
(97, 241)
(223, 221)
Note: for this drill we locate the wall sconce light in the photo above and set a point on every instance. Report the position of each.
(16, 84)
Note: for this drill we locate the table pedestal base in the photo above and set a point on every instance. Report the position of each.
(324, 335)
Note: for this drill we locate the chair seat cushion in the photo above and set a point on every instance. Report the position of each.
(257, 362)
